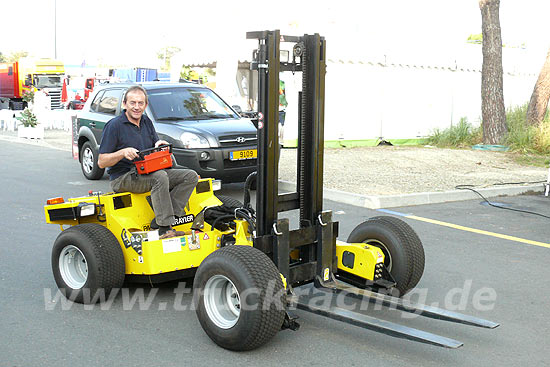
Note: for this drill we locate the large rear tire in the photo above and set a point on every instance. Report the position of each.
(402, 248)
(239, 297)
(87, 263)
(88, 162)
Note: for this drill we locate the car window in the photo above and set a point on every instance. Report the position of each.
(96, 100)
(187, 104)
(109, 101)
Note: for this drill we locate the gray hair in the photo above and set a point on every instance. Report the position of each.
(135, 88)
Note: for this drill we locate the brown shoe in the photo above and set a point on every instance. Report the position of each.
(181, 233)
(169, 234)
(173, 233)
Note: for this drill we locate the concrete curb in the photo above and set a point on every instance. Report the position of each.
(392, 201)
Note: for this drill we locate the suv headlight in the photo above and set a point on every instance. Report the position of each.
(191, 141)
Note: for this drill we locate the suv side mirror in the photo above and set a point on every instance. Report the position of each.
(237, 108)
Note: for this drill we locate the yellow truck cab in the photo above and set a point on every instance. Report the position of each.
(31, 74)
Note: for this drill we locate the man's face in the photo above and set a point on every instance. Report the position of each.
(135, 104)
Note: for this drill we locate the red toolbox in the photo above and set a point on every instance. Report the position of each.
(159, 158)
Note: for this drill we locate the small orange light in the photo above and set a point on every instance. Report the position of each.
(52, 201)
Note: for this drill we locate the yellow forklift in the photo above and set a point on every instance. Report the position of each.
(250, 269)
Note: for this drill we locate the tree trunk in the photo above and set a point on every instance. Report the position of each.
(493, 112)
(541, 94)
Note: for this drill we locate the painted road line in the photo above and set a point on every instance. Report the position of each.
(387, 211)
(473, 230)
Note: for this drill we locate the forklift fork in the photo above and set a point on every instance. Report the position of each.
(306, 303)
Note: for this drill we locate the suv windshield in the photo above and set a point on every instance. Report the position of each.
(187, 104)
(47, 81)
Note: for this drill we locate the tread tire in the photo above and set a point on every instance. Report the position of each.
(402, 242)
(248, 269)
(96, 173)
(104, 259)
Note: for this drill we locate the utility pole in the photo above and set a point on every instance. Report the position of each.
(55, 28)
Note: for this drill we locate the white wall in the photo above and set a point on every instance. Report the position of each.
(397, 94)
(393, 99)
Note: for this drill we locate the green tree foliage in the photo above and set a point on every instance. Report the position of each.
(165, 54)
(15, 56)
(193, 75)
(475, 38)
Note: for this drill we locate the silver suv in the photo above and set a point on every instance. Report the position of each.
(207, 135)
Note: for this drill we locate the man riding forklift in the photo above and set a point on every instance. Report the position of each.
(123, 137)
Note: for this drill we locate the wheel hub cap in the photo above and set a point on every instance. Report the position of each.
(73, 267)
(88, 160)
(222, 301)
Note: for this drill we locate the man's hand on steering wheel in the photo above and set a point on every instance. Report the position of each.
(161, 142)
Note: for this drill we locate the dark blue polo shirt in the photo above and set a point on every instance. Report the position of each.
(119, 133)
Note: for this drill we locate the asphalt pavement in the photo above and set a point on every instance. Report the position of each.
(480, 260)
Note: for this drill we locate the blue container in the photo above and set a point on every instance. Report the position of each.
(136, 74)
(145, 75)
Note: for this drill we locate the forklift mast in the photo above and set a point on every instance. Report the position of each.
(315, 239)
(316, 236)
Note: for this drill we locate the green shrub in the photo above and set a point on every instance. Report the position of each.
(460, 135)
(27, 118)
(542, 141)
(531, 142)
(523, 137)
(28, 96)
